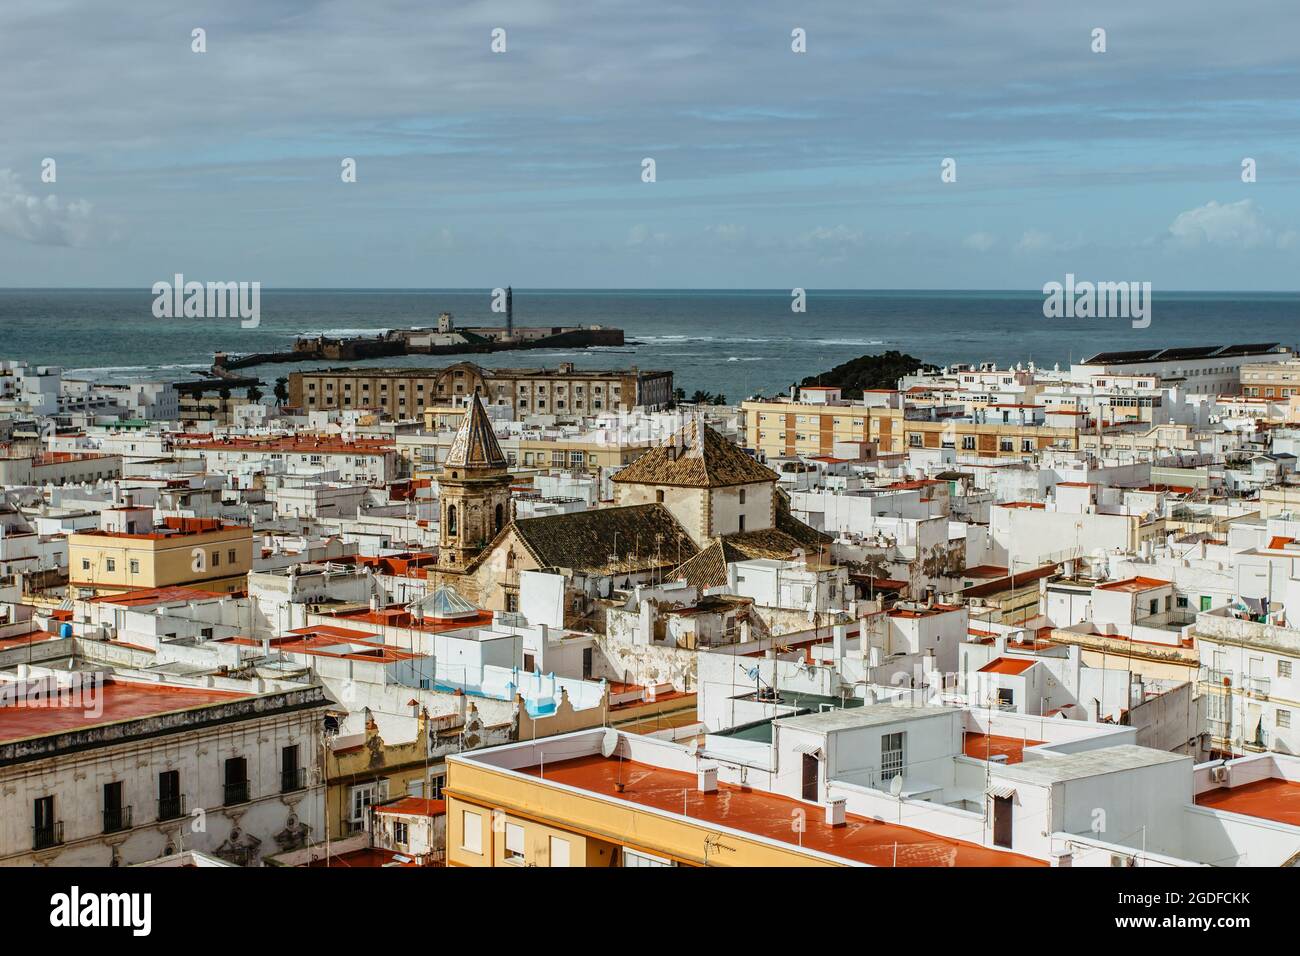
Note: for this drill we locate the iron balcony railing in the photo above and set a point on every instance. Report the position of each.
(169, 808)
(117, 818)
(236, 792)
(51, 834)
(291, 780)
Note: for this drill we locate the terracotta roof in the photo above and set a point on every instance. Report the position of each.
(584, 540)
(695, 457)
(475, 444)
(708, 569)
(1007, 665)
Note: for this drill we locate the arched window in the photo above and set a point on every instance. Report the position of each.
(500, 514)
(510, 560)
(451, 520)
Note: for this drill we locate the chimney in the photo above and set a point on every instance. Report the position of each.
(835, 812)
(708, 778)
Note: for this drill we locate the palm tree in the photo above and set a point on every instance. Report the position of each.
(253, 394)
(281, 391)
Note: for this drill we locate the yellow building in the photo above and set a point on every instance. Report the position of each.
(605, 798)
(785, 428)
(128, 552)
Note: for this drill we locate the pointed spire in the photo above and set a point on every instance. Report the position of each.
(475, 444)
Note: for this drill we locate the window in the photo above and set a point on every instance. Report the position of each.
(968, 442)
(170, 803)
(116, 816)
(1284, 718)
(891, 755)
(363, 797)
(216, 559)
(559, 854)
(400, 835)
(741, 523)
(471, 831)
(659, 496)
(46, 831)
(1283, 668)
(292, 776)
(110, 564)
(514, 843)
(135, 566)
(85, 564)
(236, 781)
(230, 556)
(633, 858)
(436, 782)
(742, 495)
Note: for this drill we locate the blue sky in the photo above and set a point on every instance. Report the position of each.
(774, 169)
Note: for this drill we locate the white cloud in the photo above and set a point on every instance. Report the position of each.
(728, 232)
(1238, 225)
(44, 220)
(641, 235)
(1034, 241)
(979, 241)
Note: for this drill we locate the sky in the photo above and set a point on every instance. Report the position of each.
(773, 168)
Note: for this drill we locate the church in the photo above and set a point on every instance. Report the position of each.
(682, 511)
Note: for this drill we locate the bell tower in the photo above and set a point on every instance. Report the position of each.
(473, 490)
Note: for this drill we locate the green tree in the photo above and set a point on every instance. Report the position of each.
(281, 391)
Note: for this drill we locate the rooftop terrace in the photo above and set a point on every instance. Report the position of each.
(767, 815)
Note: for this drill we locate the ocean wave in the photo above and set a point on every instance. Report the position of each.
(138, 368)
(341, 333)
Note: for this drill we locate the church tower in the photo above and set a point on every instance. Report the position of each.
(473, 490)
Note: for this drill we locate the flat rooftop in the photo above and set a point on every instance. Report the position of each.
(868, 715)
(1090, 763)
(114, 701)
(1273, 799)
(982, 746)
(769, 815)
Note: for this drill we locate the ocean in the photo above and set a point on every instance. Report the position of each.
(733, 343)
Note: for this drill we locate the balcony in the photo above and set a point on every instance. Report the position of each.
(236, 792)
(117, 818)
(44, 837)
(1257, 686)
(291, 780)
(1217, 677)
(170, 808)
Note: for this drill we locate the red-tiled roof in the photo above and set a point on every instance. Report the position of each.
(1008, 665)
(768, 815)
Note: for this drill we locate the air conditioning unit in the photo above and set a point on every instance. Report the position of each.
(1219, 774)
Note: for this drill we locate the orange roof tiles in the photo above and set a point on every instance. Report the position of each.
(1273, 799)
(1008, 665)
(768, 815)
(1133, 585)
(149, 596)
(120, 701)
(981, 746)
(414, 806)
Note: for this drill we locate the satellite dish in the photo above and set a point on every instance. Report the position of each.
(693, 748)
(609, 742)
(896, 785)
